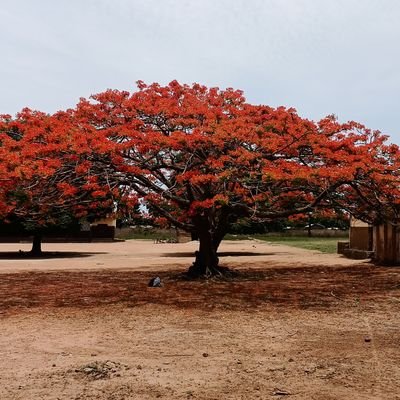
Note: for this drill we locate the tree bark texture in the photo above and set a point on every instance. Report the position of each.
(37, 245)
(206, 263)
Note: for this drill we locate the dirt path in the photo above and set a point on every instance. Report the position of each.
(294, 325)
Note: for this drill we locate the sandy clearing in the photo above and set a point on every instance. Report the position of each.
(144, 254)
(297, 325)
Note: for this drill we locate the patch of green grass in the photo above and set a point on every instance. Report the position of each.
(149, 235)
(322, 244)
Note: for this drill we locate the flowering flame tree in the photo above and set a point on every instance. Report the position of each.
(197, 158)
(200, 158)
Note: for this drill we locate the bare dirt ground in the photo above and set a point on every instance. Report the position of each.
(295, 324)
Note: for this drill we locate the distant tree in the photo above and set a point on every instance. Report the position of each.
(329, 218)
(201, 158)
(249, 226)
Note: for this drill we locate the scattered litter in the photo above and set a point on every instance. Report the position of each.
(102, 369)
(280, 392)
(155, 282)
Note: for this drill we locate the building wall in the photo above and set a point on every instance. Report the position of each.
(360, 236)
(105, 221)
(387, 243)
(103, 228)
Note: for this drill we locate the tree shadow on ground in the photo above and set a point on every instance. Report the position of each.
(26, 255)
(222, 254)
(319, 287)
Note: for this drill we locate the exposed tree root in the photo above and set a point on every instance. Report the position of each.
(216, 273)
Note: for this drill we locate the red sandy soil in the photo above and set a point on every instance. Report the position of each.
(294, 324)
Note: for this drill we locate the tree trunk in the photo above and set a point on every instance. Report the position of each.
(37, 245)
(309, 224)
(194, 236)
(206, 262)
(210, 230)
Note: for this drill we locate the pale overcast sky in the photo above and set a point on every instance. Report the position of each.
(319, 56)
